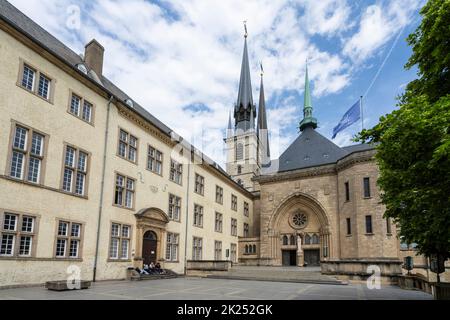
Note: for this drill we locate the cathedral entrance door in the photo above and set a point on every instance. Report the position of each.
(289, 257)
(312, 257)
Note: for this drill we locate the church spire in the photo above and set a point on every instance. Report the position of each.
(244, 103)
(229, 128)
(308, 120)
(261, 129)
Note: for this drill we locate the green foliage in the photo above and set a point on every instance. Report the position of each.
(413, 142)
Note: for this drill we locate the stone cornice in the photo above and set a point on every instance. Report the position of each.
(354, 158)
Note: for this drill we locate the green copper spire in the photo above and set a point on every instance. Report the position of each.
(308, 120)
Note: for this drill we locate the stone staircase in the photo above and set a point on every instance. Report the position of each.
(168, 275)
(278, 274)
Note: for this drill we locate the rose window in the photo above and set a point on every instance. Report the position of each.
(300, 219)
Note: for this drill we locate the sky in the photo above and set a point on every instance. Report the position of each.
(180, 59)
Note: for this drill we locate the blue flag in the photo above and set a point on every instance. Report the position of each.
(350, 117)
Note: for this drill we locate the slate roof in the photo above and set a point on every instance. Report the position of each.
(312, 149)
(15, 18)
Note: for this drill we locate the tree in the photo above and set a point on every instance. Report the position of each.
(413, 142)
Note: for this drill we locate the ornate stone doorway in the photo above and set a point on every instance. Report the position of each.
(149, 247)
(150, 236)
(289, 257)
(312, 257)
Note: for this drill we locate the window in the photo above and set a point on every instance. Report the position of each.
(292, 240)
(17, 233)
(119, 248)
(199, 184)
(219, 195)
(176, 171)
(197, 248)
(285, 240)
(124, 192)
(27, 154)
(246, 210)
(349, 226)
(246, 230)
(307, 239)
(239, 169)
(233, 202)
(239, 151)
(233, 252)
(388, 226)
(154, 160)
(36, 82)
(218, 222)
(75, 171)
(369, 225)
(198, 216)
(315, 239)
(174, 207)
(234, 227)
(347, 192)
(81, 108)
(128, 146)
(218, 250)
(366, 187)
(68, 240)
(172, 247)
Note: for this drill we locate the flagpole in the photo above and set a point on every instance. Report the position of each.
(362, 112)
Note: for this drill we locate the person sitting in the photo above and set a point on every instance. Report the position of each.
(152, 268)
(158, 268)
(145, 270)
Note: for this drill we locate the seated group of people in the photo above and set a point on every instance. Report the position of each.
(151, 269)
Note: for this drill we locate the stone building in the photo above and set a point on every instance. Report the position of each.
(93, 182)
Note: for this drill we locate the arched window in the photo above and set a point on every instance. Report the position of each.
(254, 248)
(285, 240)
(315, 239)
(246, 249)
(239, 151)
(292, 240)
(307, 239)
(239, 169)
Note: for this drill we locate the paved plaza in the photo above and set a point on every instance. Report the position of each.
(215, 289)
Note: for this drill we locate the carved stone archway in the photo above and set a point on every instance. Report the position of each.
(155, 220)
(287, 213)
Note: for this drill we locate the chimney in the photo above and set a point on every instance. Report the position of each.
(93, 57)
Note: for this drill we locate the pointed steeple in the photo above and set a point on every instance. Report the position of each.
(244, 104)
(261, 129)
(308, 120)
(229, 128)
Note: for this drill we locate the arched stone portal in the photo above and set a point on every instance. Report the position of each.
(151, 236)
(300, 217)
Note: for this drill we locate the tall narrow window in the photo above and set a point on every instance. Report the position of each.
(68, 240)
(124, 192)
(219, 195)
(388, 226)
(75, 171)
(347, 192)
(246, 209)
(28, 77)
(44, 87)
(199, 184)
(246, 230)
(176, 171)
(198, 216)
(218, 222)
(369, 229)
(17, 233)
(119, 247)
(233, 202)
(234, 227)
(349, 226)
(154, 160)
(218, 250)
(366, 187)
(27, 154)
(172, 247)
(197, 248)
(239, 151)
(174, 207)
(128, 146)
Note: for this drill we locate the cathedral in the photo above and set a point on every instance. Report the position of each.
(317, 204)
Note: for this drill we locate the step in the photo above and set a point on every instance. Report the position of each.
(272, 279)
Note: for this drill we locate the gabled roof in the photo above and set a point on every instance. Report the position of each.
(310, 149)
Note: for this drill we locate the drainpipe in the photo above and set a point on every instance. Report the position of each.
(187, 213)
(102, 187)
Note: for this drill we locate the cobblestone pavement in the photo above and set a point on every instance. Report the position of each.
(214, 289)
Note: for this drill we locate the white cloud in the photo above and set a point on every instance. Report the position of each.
(173, 54)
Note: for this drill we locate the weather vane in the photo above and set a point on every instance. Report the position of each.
(245, 28)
